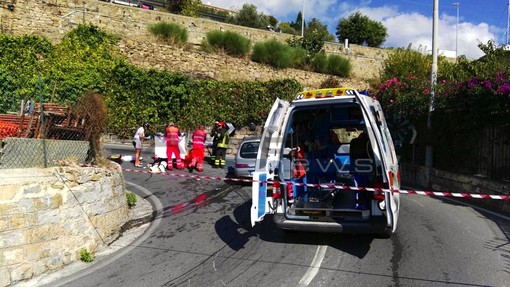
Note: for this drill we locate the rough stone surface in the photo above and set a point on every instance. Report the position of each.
(42, 227)
(53, 20)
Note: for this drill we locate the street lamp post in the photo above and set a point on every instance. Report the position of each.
(303, 19)
(433, 80)
(457, 5)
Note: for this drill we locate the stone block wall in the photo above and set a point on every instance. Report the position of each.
(54, 18)
(433, 179)
(48, 215)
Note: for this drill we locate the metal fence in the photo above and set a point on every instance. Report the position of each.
(29, 152)
(485, 153)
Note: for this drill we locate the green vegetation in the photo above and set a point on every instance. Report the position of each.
(248, 16)
(86, 256)
(131, 199)
(471, 97)
(361, 30)
(275, 54)
(339, 66)
(169, 32)
(85, 68)
(189, 8)
(230, 42)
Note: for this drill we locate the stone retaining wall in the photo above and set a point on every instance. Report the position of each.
(54, 18)
(48, 215)
(440, 180)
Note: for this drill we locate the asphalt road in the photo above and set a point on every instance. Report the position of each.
(202, 237)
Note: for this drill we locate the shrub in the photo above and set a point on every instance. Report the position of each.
(230, 42)
(330, 82)
(169, 32)
(320, 63)
(298, 56)
(273, 53)
(131, 199)
(86, 256)
(339, 66)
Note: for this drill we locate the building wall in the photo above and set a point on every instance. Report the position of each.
(48, 215)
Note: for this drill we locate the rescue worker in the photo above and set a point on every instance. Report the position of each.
(197, 159)
(221, 148)
(172, 146)
(214, 136)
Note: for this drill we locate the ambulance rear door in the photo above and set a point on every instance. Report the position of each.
(268, 160)
(385, 150)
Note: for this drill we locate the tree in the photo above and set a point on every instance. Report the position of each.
(249, 17)
(285, 27)
(361, 30)
(185, 7)
(321, 30)
(297, 25)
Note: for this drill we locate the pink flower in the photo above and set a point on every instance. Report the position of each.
(504, 89)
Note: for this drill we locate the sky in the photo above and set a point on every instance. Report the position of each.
(408, 22)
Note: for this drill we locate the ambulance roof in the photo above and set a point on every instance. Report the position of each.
(324, 93)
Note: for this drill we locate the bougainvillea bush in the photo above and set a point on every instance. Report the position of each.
(462, 111)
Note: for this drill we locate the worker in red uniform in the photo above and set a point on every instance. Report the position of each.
(197, 159)
(172, 146)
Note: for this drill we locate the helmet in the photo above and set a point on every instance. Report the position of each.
(171, 123)
(146, 125)
(221, 124)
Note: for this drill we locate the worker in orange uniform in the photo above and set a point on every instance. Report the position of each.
(172, 146)
(197, 159)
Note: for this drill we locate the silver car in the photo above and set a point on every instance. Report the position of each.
(246, 156)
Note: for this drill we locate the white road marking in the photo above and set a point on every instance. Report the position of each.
(314, 267)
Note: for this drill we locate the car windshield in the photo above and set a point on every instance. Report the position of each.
(249, 150)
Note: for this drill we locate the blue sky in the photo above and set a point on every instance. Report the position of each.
(407, 21)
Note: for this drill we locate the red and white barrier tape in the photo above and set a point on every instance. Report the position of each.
(409, 191)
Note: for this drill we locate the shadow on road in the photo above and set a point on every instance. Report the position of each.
(236, 233)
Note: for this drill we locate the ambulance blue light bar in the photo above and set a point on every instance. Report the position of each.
(325, 93)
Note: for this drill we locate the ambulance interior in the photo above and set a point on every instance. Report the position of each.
(328, 145)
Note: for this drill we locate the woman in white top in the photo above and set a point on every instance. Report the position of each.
(137, 142)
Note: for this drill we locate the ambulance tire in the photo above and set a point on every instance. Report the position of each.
(386, 234)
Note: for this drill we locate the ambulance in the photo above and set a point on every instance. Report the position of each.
(326, 163)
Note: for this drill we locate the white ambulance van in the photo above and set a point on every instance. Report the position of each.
(326, 163)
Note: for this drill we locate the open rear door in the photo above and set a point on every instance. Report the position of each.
(268, 158)
(374, 117)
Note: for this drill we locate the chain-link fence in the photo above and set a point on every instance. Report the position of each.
(44, 134)
(28, 152)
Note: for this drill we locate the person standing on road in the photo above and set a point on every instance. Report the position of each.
(137, 142)
(221, 148)
(197, 159)
(214, 136)
(172, 146)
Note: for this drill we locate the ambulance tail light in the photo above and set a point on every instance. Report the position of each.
(277, 191)
(379, 193)
(290, 193)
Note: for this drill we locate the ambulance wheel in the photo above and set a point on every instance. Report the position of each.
(386, 234)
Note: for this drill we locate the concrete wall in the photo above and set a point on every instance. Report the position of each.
(48, 215)
(440, 180)
(54, 18)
